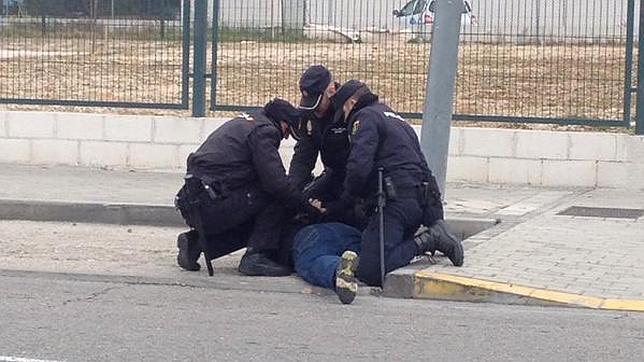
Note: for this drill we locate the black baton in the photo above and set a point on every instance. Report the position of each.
(382, 200)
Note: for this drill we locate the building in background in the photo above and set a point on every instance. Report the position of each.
(10, 7)
(496, 20)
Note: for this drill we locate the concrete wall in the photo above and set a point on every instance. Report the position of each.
(484, 155)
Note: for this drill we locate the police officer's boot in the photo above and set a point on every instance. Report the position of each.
(189, 250)
(346, 284)
(439, 238)
(256, 263)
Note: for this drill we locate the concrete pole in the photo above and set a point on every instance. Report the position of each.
(441, 86)
(200, 58)
(639, 122)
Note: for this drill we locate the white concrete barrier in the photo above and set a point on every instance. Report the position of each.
(486, 155)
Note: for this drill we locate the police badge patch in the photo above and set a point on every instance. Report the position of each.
(356, 127)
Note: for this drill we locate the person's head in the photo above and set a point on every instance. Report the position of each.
(317, 88)
(346, 98)
(284, 116)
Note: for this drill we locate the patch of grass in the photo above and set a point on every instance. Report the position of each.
(269, 35)
(28, 32)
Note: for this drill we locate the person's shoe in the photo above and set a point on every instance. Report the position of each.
(258, 264)
(346, 284)
(439, 238)
(189, 251)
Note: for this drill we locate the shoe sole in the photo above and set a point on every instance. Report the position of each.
(182, 244)
(346, 284)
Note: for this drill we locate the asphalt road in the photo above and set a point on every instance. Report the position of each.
(56, 318)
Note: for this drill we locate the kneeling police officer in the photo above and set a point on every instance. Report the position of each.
(384, 146)
(237, 193)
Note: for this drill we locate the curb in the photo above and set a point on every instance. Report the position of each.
(150, 214)
(90, 212)
(429, 285)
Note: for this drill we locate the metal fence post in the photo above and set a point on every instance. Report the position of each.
(538, 20)
(441, 85)
(628, 74)
(200, 58)
(639, 122)
(185, 65)
(215, 49)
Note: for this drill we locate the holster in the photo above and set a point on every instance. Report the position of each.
(194, 192)
(188, 201)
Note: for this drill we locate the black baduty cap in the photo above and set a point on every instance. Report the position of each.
(346, 91)
(279, 110)
(313, 83)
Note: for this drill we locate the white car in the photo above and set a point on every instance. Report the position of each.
(421, 12)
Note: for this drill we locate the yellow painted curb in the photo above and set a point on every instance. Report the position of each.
(431, 285)
(620, 304)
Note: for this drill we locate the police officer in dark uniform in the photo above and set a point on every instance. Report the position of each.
(381, 139)
(242, 191)
(320, 135)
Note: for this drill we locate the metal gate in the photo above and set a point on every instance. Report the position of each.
(106, 53)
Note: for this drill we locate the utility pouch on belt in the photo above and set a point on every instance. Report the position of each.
(428, 198)
(433, 203)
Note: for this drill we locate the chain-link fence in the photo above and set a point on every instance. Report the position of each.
(561, 61)
(555, 61)
(129, 53)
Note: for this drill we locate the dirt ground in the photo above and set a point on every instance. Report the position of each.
(580, 81)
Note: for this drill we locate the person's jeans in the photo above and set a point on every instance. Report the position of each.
(318, 249)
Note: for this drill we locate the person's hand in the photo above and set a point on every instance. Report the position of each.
(317, 204)
(337, 207)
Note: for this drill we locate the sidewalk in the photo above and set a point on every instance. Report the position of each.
(592, 256)
(533, 256)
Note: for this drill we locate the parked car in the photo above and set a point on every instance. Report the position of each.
(422, 12)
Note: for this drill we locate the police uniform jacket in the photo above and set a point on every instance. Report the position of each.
(381, 138)
(244, 151)
(326, 137)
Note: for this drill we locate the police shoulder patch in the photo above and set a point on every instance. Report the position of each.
(246, 117)
(356, 127)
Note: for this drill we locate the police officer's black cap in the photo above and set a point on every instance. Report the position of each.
(313, 83)
(346, 91)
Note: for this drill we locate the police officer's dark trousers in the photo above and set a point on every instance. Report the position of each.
(403, 216)
(244, 217)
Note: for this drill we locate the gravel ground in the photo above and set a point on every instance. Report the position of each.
(571, 80)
